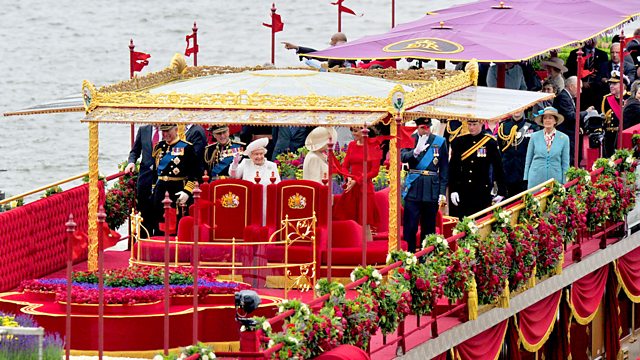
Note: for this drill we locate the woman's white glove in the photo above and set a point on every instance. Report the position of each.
(455, 198)
(182, 197)
(497, 199)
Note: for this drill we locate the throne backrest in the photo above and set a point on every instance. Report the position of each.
(235, 204)
(296, 199)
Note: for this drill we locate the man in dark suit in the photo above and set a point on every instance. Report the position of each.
(474, 167)
(143, 146)
(336, 39)
(288, 139)
(196, 136)
(594, 60)
(566, 105)
(513, 138)
(426, 183)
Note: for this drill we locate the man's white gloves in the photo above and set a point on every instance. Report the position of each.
(497, 199)
(129, 169)
(182, 197)
(421, 146)
(455, 198)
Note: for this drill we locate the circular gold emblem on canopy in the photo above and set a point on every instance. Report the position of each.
(429, 45)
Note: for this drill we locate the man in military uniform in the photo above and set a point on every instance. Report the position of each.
(474, 167)
(426, 183)
(612, 113)
(219, 155)
(513, 139)
(177, 169)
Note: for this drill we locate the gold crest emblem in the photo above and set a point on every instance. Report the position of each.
(429, 45)
(297, 202)
(230, 200)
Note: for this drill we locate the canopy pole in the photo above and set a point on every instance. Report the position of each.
(364, 188)
(501, 73)
(394, 185)
(622, 87)
(94, 194)
(576, 145)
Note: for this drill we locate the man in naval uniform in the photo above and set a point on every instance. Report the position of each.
(612, 111)
(426, 183)
(177, 169)
(475, 165)
(219, 155)
(513, 139)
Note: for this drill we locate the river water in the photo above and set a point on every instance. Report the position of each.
(49, 47)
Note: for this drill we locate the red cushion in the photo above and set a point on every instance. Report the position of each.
(344, 352)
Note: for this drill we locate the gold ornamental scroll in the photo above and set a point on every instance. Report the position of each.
(393, 187)
(94, 193)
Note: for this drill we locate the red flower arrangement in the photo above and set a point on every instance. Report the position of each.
(121, 296)
(492, 266)
(525, 252)
(422, 281)
(119, 200)
(550, 243)
(140, 275)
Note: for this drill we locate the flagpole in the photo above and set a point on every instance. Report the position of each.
(393, 13)
(576, 145)
(195, 44)
(273, 35)
(621, 66)
(339, 18)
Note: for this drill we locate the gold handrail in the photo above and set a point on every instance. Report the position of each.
(514, 197)
(43, 188)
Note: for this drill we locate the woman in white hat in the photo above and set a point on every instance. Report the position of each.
(548, 150)
(257, 164)
(555, 68)
(315, 166)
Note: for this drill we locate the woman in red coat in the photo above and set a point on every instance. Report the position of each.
(349, 205)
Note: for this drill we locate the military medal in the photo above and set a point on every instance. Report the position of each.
(482, 152)
(436, 154)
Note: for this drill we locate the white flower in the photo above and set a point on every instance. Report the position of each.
(353, 276)
(158, 357)
(473, 227)
(266, 326)
(455, 232)
(280, 308)
(340, 285)
(594, 166)
(442, 241)
(243, 328)
(292, 339)
(388, 258)
(204, 357)
(629, 160)
(14, 204)
(271, 343)
(189, 347)
(587, 178)
(562, 189)
(611, 163)
(376, 275)
(317, 287)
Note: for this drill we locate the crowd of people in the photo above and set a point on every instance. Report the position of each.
(476, 163)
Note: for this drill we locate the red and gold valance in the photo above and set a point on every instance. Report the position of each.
(536, 322)
(486, 345)
(628, 272)
(586, 295)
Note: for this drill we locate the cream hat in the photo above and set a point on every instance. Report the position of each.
(319, 137)
(258, 144)
(555, 62)
(549, 110)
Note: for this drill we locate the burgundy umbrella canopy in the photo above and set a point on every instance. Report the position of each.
(492, 31)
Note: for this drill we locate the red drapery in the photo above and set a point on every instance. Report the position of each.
(558, 347)
(486, 345)
(612, 328)
(513, 345)
(586, 295)
(536, 322)
(628, 272)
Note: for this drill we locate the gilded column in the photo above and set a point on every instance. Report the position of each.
(393, 186)
(94, 193)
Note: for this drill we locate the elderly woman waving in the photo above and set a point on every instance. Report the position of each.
(256, 165)
(548, 150)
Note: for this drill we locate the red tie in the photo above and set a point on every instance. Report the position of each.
(156, 137)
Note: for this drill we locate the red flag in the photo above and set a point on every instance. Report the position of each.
(276, 23)
(139, 60)
(79, 244)
(109, 237)
(194, 48)
(342, 8)
(406, 141)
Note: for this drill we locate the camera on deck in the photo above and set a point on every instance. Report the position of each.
(246, 301)
(594, 128)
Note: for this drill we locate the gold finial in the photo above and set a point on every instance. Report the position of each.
(179, 63)
(473, 70)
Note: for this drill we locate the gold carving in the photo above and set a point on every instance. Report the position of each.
(297, 202)
(89, 95)
(393, 187)
(230, 200)
(306, 280)
(93, 197)
(178, 62)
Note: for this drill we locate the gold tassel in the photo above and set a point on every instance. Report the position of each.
(473, 70)
(503, 300)
(472, 299)
(182, 132)
(559, 264)
(532, 280)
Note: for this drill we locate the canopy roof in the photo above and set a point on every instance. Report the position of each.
(491, 31)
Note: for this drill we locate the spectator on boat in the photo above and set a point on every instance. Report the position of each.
(349, 205)
(288, 139)
(555, 67)
(513, 77)
(176, 167)
(475, 165)
(336, 39)
(219, 155)
(513, 139)
(146, 138)
(315, 166)
(256, 165)
(548, 87)
(548, 150)
(565, 103)
(613, 67)
(531, 77)
(595, 58)
(612, 111)
(631, 112)
(426, 183)
(196, 135)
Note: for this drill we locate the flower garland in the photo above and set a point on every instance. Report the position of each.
(421, 281)
(120, 199)
(492, 266)
(470, 228)
(531, 211)
(550, 244)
